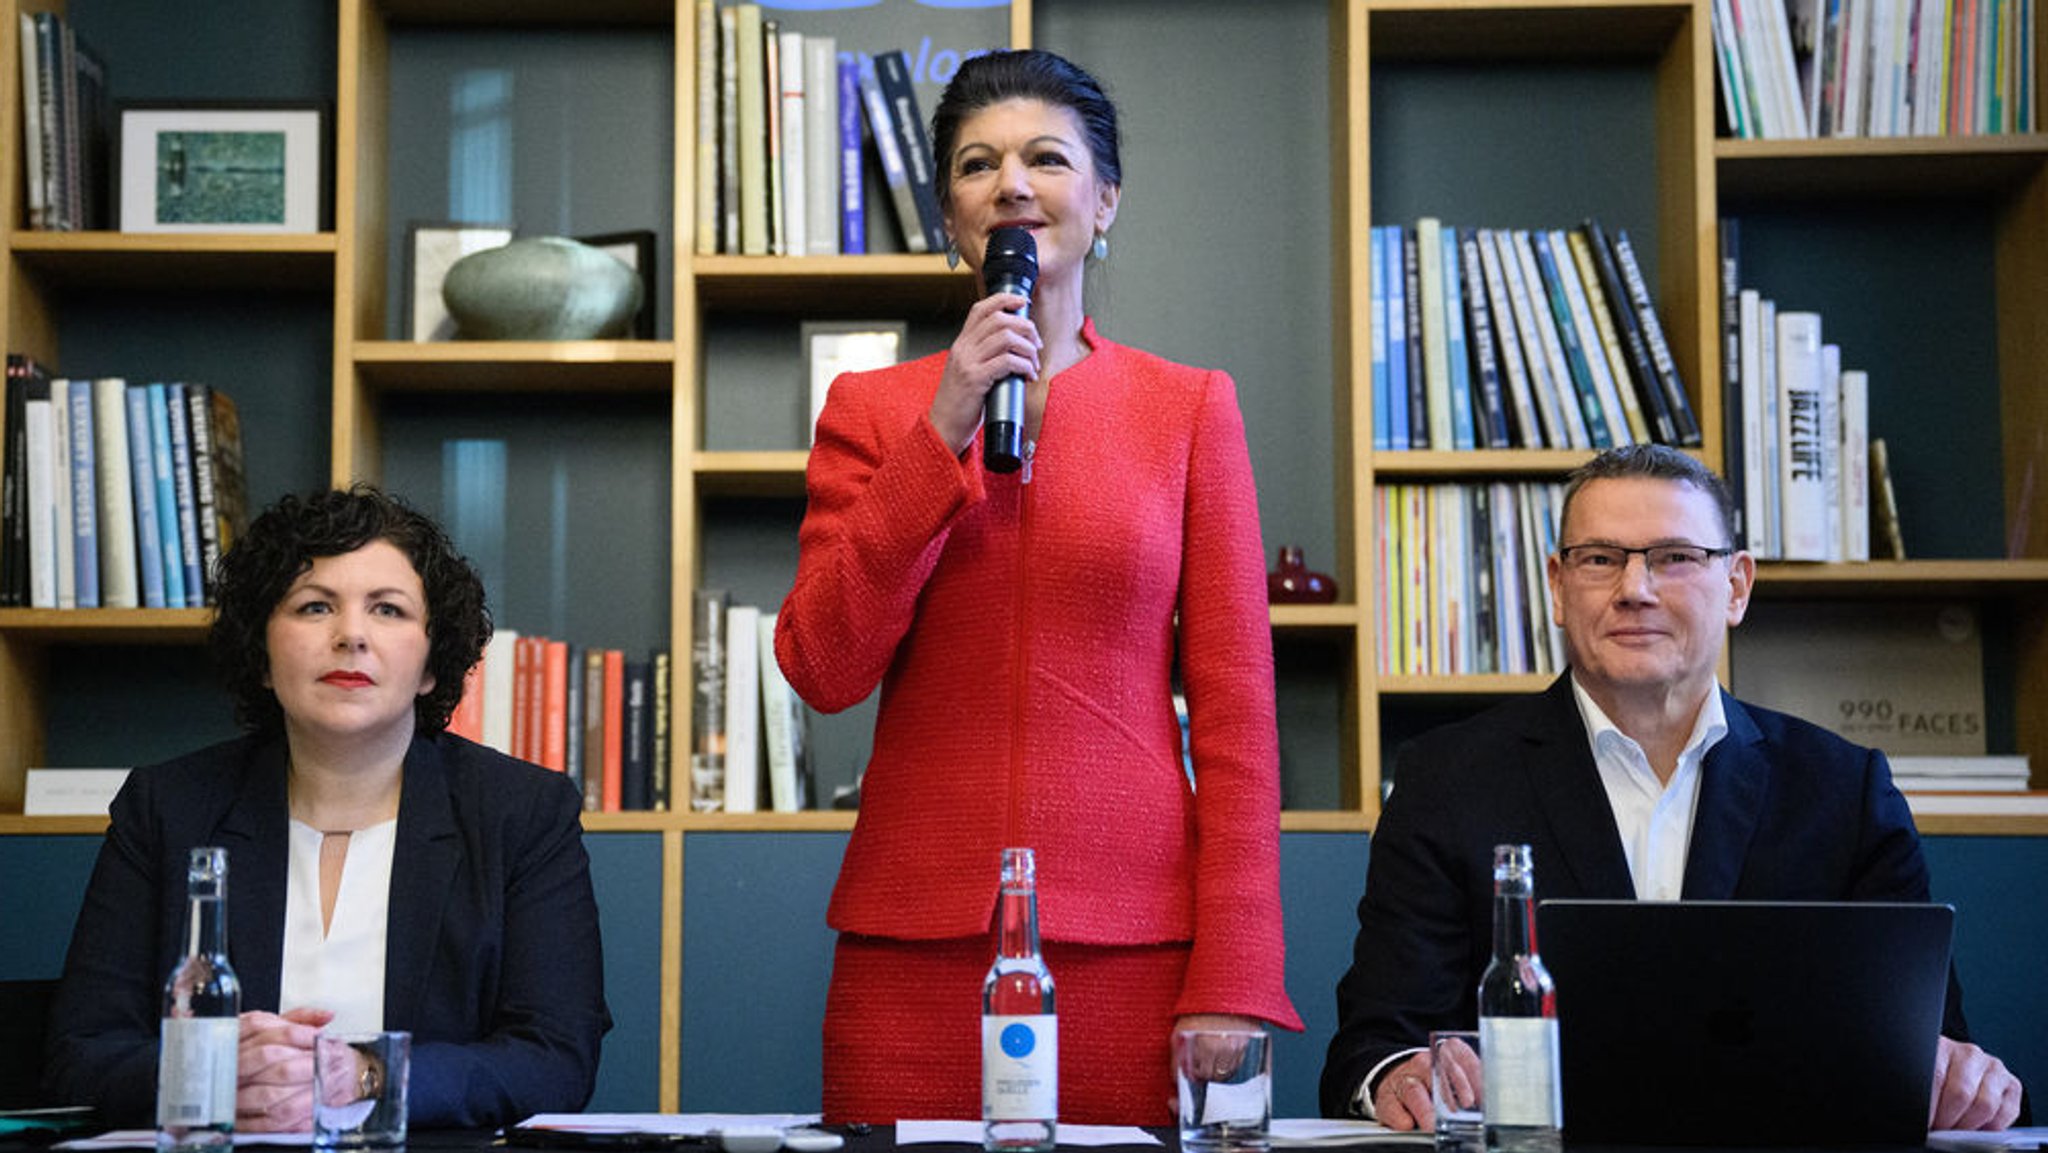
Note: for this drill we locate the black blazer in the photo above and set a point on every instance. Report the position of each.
(492, 962)
(1787, 811)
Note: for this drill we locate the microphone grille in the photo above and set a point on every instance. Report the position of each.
(1012, 257)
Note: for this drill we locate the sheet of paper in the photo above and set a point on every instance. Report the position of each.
(1966, 1141)
(146, 1139)
(969, 1133)
(673, 1124)
(1310, 1132)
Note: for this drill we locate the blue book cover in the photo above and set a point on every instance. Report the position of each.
(149, 547)
(1397, 341)
(166, 497)
(187, 492)
(853, 217)
(85, 505)
(1378, 260)
(1454, 340)
(1581, 382)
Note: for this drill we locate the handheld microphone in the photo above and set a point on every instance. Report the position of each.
(1010, 266)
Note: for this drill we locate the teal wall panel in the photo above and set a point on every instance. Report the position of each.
(625, 871)
(2001, 928)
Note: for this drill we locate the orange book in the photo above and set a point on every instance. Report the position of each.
(522, 683)
(467, 720)
(614, 727)
(554, 706)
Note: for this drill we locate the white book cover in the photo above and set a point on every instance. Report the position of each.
(1802, 469)
(1784, 69)
(500, 661)
(778, 723)
(1750, 374)
(1855, 465)
(1855, 117)
(1831, 447)
(120, 571)
(1436, 362)
(1774, 443)
(71, 792)
(821, 145)
(43, 487)
(1982, 805)
(2005, 765)
(789, 73)
(742, 710)
(1542, 389)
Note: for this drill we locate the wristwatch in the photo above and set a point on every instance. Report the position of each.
(369, 1082)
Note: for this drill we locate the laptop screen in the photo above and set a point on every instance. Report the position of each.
(1746, 1022)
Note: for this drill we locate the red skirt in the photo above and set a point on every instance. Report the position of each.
(903, 1030)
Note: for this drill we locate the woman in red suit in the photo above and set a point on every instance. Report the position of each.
(1026, 630)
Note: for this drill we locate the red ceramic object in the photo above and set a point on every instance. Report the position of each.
(1293, 584)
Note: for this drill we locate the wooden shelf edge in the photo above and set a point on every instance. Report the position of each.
(1937, 577)
(167, 626)
(253, 244)
(1481, 684)
(1836, 147)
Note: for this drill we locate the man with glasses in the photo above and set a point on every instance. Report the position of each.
(1633, 775)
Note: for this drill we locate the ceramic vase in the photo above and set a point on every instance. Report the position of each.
(541, 288)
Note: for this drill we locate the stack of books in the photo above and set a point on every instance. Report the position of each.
(1461, 588)
(593, 713)
(1518, 338)
(1809, 481)
(779, 140)
(65, 126)
(750, 739)
(1983, 773)
(116, 495)
(1789, 69)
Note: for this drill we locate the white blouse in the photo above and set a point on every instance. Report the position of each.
(341, 969)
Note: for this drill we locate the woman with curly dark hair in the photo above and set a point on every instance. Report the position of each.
(384, 874)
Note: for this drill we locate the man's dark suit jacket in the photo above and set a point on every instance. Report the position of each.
(492, 956)
(1787, 812)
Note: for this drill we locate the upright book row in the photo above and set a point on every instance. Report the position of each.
(1518, 338)
(779, 140)
(116, 495)
(750, 739)
(1462, 587)
(595, 714)
(65, 126)
(1800, 458)
(1804, 68)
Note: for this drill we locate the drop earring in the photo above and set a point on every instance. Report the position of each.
(1100, 248)
(952, 254)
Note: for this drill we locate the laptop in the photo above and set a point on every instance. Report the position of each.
(1744, 1022)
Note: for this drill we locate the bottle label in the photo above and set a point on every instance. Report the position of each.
(195, 1084)
(1020, 1067)
(1521, 1079)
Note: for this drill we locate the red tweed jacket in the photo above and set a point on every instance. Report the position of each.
(1024, 634)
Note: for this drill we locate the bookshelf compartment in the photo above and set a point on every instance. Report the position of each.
(1908, 290)
(561, 500)
(756, 396)
(562, 130)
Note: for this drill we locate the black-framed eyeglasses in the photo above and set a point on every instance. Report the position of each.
(1605, 562)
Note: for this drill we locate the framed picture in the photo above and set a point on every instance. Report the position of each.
(635, 250)
(835, 346)
(431, 249)
(222, 168)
